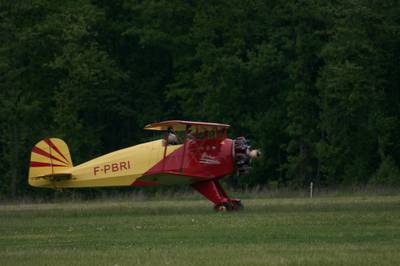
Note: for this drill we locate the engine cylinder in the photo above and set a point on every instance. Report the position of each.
(242, 158)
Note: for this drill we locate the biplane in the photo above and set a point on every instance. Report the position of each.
(193, 153)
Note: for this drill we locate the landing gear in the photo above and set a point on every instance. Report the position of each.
(232, 205)
(213, 191)
(237, 204)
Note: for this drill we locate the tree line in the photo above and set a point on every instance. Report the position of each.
(314, 84)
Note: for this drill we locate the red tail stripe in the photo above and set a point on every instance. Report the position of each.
(39, 151)
(40, 164)
(51, 144)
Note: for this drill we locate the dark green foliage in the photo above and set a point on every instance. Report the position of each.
(314, 84)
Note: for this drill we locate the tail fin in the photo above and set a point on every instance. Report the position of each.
(50, 159)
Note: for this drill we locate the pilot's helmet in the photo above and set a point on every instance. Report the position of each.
(172, 139)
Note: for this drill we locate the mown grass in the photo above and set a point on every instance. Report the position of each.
(290, 231)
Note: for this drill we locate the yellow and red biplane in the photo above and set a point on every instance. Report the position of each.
(202, 156)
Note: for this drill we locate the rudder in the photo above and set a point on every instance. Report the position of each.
(50, 158)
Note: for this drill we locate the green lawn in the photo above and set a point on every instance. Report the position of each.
(297, 231)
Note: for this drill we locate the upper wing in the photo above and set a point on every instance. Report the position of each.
(181, 125)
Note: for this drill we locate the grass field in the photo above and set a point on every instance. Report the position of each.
(357, 230)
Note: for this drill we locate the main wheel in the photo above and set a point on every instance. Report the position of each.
(220, 208)
(237, 205)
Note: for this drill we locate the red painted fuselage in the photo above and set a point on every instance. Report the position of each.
(195, 161)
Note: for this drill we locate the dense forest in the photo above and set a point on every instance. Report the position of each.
(314, 84)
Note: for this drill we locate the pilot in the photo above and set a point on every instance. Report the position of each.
(189, 134)
(172, 139)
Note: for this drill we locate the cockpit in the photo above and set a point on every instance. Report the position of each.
(172, 137)
(179, 132)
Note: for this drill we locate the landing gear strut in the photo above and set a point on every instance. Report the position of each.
(213, 191)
